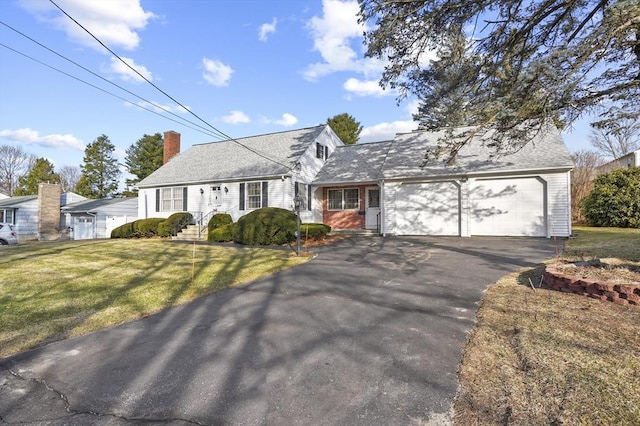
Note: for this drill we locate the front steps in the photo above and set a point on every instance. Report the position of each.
(190, 233)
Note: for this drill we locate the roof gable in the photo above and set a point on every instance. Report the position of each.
(355, 163)
(243, 158)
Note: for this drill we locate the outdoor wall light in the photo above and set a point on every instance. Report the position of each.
(464, 179)
(201, 191)
(226, 189)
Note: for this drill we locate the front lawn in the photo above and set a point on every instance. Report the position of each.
(545, 357)
(52, 291)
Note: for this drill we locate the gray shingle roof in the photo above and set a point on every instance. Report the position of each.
(404, 158)
(16, 201)
(93, 205)
(219, 161)
(354, 163)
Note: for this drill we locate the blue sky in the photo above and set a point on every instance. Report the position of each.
(247, 67)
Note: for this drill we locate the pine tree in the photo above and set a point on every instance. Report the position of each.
(100, 172)
(509, 66)
(144, 157)
(346, 127)
(42, 171)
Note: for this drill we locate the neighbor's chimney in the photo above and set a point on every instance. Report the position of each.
(171, 145)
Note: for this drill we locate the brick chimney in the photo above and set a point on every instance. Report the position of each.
(171, 145)
(49, 211)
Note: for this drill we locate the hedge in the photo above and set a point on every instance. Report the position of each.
(222, 234)
(266, 226)
(174, 224)
(218, 220)
(314, 231)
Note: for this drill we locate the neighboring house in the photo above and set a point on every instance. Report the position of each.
(631, 159)
(26, 212)
(238, 176)
(386, 187)
(90, 219)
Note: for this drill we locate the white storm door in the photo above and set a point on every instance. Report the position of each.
(372, 210)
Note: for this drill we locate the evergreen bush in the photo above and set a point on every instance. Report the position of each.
(218, 220)
(614, 200)
(266, 226)
(174, 224)
(222, 234)
(147, 227)
(314, 231)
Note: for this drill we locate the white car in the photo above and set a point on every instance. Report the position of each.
(7, 234)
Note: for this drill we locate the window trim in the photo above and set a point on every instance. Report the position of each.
(178, 194)
(343, 202)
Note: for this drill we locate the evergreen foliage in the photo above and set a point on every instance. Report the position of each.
(144, 157)
(41, 171)
(508, 66)
(266, 226)
(100, 172)
(346, 127)
(615, 199)
(218, 220)
(222, 234)
(174, 224)
(314, 231)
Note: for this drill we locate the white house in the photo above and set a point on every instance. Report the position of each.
(386, 186)
(237, 176)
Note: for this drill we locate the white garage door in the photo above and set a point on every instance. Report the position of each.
(83, 228)
(509, 207)
(428, 209)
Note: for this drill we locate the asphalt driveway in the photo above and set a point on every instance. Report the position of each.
(369, 332)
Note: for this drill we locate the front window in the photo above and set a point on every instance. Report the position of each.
(344, 199)
(254, 195)
(172, 199)
(6, 215)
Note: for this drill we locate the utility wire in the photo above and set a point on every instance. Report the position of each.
(204, 129)
(258, 153)
(96, 87)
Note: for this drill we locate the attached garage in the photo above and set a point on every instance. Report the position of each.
(428, 209)
(508, 207)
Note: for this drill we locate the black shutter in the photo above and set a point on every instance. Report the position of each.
(326, 152)
(309, 197)
(241, 202)
(184, 199)
(265, 194)
(319, 150)
(157, 200)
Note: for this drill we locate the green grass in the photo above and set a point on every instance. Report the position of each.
(622, 243)
(52, 291)
(545, 357)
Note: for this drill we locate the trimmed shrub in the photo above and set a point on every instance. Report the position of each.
(222, 234)
(218, 220)
(614, 200)
(174, 223)
(266, 226)
(147, 227)
(314, 231)
(124, 231)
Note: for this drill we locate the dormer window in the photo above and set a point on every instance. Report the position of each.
(322, 152)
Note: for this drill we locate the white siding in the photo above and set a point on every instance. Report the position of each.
(559, 203)
(26, 220)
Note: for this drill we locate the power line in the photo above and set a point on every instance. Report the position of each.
(258, 153)
(203, 129)
(94, 86)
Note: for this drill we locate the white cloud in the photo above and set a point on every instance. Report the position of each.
(32, 137)
(333, 34)
(365, 88)
(287, 120)
(266, 29)
(125, 73)
(216, 73)
(116, 22)
(236, 117)
(386, 131)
